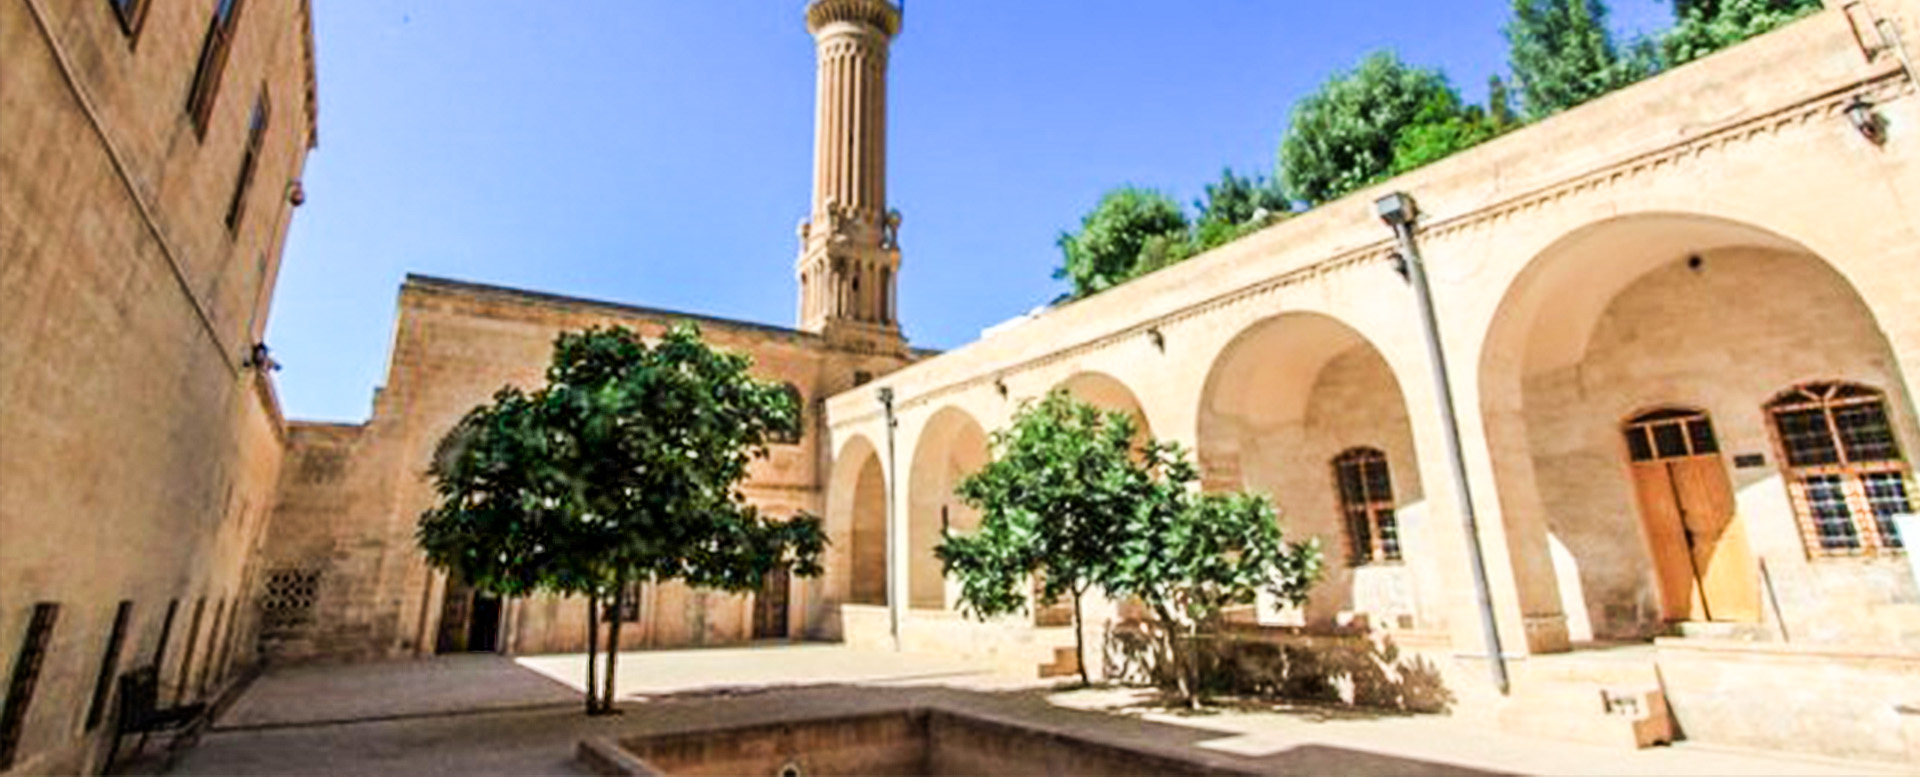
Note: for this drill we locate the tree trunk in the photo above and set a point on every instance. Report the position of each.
(593, 642)
(1181, 655)
(1080, 636)
(613, 642)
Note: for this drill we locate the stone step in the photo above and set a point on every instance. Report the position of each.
(1066, 661)
(1620, 668)
(1628, 717)
(1730, 632)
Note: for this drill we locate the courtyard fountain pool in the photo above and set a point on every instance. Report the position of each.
(919, 740)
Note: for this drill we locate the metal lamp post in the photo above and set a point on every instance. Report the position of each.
(1398, 211)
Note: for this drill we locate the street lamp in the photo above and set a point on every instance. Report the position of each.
(1399, 211)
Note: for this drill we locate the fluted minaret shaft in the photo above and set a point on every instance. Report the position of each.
(849, 252)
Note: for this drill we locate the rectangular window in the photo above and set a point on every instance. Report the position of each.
(130, 13)
(1827, 504)
(109, 665)
(249, 160)
(213, 60)
(26, 673)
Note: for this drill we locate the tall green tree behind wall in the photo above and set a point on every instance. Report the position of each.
(1562, 55)
(1702, 27)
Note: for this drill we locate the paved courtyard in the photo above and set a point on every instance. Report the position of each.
(481, 715)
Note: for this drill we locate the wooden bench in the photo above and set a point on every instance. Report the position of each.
(140, 711)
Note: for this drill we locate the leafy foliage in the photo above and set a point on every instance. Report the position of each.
(1343, 136)
(1562, 54)
(1188, 556)
(1702, 27)
(1236, 206)
(1106, 251)
(625, 466)
(1071, 496)
(1052, 502)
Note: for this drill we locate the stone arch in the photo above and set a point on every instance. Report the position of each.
(1107, 393)
(1649, 310)
(1281, 402)
(857, 500)
(951, 445)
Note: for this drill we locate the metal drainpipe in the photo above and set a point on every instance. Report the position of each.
(1398, 211)
(893, 559)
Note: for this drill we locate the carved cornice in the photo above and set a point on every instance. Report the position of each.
(880, 15)
(1882, 86)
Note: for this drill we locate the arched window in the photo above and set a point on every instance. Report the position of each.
(1366, 500)
(799, 417)
(1844, 471)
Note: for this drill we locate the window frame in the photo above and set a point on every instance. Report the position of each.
(799, 417)
(1379, 510)
(1828, 396)
(258, 121)
(204, 90)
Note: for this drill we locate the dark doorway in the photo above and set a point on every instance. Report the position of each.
(483, 627)
(770, 606)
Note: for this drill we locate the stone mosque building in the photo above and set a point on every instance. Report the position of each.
(1680, 326)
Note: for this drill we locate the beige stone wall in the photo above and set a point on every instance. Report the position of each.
(1547, 248)
(140, 452)
(1724, 338)
(455, 344)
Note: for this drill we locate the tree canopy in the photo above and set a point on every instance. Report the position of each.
(1052, 501)
(1343, 136)
(1562, 54)
(1073, 496)
(625, 466)
(1702, 27)
(1106, 251)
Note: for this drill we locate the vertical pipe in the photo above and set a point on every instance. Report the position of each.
(894, 603)
(1456, 458)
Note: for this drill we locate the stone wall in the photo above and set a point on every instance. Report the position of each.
(455, 344)
(141, 449)
(1724, 337)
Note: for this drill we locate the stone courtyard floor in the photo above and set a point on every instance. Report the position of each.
(488, 715)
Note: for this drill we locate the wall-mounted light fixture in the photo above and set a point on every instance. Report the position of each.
(1864, 118)
(259, 357)
(1159, 339)
(1000, 386)
(296, 193)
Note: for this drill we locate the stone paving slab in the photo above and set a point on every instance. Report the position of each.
(481, 715)
(316, 694)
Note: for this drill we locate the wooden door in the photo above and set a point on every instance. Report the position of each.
(770, 606)
(1701, 559)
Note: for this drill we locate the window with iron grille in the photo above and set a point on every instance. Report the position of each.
(26, 674)
(1366, 501)
(249, 160)
(130, 14)
(213, 60)
(1845, 475)
(289, 598)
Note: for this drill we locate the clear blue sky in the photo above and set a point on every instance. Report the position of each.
(657, 152)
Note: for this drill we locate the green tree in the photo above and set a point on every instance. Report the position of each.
(1237, 205)
(626, 466)
(1342, 136)
(1702, 27)
(1052, 501)
(1188, 556)
(1107, 249)
(1562, 54)
(1072, 496)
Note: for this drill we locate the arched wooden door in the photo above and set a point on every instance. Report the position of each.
(1698, 543)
